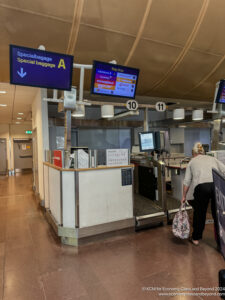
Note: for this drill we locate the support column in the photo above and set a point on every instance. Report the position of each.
(67, 130)
(146, 126)
(40, 125)
(45, 126)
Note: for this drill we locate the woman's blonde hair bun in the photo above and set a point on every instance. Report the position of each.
(198, 148)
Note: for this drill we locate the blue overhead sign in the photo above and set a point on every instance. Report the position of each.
(32, 67)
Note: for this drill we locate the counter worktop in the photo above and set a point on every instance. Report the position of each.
(150, 164)
(177, 166)
(88, 169)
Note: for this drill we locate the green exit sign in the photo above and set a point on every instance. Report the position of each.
(28, 131)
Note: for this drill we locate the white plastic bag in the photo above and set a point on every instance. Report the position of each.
(181, 225)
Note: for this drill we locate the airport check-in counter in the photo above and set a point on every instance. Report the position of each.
(82, 203)
(149, 192)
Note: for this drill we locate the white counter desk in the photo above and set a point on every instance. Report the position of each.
(86, 202)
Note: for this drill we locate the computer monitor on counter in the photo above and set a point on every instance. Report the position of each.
(146, 141)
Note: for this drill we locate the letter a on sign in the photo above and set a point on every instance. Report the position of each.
(61, 64)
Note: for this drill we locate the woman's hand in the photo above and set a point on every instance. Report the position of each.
(183, 200)
(185, 190)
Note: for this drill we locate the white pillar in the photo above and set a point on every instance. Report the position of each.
(45, 127)
(40, 123)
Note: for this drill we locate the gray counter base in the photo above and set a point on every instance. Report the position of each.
(80, 236)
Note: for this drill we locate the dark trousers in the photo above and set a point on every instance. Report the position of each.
(203, 193)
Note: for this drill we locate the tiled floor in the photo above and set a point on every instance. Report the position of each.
(35, 266)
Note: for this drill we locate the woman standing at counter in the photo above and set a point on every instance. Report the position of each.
(199, 174)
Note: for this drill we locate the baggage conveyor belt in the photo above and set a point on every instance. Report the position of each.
(147, 212)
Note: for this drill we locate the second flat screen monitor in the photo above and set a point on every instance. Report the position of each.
(114, 80)
(146, 140)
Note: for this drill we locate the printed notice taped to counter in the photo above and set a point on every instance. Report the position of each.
(83, 159)
(117, 157)
(38, 68)
(126, 175)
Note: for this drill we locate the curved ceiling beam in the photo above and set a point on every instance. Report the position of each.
(78, 8)
(207, 76)
(107, 29)
(140, 31)
(102, 28)
(31, 12)
(186, 47)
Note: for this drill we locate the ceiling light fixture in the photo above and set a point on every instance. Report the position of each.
(19, 118)
(107, 111)
(20, 113)
(2, 92)
(3, 105)
(197, 115)
(178, 114)
(17, 122)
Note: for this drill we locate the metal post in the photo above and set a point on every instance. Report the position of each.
(214, 101)
(67, 130)
(55, 94)
(81, 84)
(146, 126)
(67, 139)
(82, 69)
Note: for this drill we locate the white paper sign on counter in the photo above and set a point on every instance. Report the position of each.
(117, 157)
(83, 159)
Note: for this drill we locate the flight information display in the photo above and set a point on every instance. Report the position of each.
(114, 80)
(221, 92)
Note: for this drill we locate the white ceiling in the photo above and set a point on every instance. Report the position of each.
(18, 99)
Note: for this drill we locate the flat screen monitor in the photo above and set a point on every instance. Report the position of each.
(220, 98)
(114, 80)
(146, 141)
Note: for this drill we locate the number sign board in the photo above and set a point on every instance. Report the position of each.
(132, 105)
(32, 67)
(160, 106)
